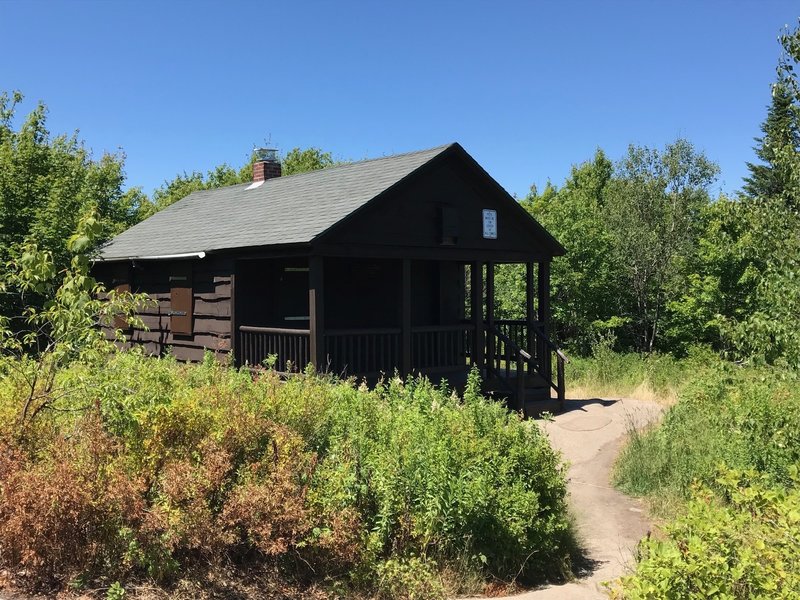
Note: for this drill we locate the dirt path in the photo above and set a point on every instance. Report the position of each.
(590, 434)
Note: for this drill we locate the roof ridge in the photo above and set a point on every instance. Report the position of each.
(213, 190)
(441, 147)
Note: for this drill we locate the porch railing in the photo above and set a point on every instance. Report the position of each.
(362, 351)
(514, 352)
(441, 347)
(516, 330)
(291, 347)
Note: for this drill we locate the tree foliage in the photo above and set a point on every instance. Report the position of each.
(299, 160)
(654, 260)
(767, 330)
(47, 183)
(586, 288)
(652, 212)
(630, 231)
(771, 178)
(48, 336)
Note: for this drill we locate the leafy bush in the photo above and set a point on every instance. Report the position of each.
(738, 541)
(149, 468)
(726, 455)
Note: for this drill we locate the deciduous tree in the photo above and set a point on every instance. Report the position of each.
(652, 212)
(585, 282)
(47, 183)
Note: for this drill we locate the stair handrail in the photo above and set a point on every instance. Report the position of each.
(562, 359)
(559, 385)
(520, 356)
(552, 345)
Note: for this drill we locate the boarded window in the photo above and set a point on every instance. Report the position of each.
(181, 300)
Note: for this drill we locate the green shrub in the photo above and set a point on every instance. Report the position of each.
(408, 579)
(150, 468)
(736, 531)
(738, 541)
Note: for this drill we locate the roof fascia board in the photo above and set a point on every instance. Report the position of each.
(154, 257)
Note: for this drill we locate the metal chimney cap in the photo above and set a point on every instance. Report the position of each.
(266, 154)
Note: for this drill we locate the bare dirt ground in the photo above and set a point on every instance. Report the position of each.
(590, 434)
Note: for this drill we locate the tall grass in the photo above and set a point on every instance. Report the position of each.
(744, 418)
(657, 377)
(722, 468)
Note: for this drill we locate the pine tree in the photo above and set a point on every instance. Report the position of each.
(781, 129)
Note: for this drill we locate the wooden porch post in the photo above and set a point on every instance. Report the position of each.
(406, 319)
(490, 349)
(530, 313)
(476, 309)
(544, 313)
(316, 307)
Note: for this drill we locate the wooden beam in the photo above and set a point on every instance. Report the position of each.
(476, 310)
(316, 308)
(406, 318)
(490, 349)
(530, 312)
(544, 295)
(399, 251)
(544, 313)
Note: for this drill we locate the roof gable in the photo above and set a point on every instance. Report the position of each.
(408, 213)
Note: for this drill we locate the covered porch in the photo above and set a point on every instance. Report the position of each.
(369, 317)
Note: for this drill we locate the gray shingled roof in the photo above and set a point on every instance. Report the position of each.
(284, 210)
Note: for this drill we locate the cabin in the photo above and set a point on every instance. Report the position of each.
(363, 269)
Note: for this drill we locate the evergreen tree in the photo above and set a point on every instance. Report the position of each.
(781, 129)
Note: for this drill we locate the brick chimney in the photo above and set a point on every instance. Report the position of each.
(267, 165)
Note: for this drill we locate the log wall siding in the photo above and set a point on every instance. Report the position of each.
(211, 327)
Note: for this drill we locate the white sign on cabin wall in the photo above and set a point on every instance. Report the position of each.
(489, 224)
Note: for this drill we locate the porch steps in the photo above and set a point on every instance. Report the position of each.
(538, 396)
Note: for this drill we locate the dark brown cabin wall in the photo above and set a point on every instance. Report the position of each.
(425, 290)
(362, 293)
(211, 290)
(409, 218)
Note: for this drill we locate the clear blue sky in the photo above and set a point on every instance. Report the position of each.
(528, 88)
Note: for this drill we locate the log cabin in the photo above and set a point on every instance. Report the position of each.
(362, 269)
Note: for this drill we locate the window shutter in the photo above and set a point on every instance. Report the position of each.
(119, 321)
(121, 283)
(448, 220)
(181, 300)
